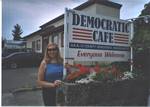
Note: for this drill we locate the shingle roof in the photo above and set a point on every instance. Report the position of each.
(32, 34)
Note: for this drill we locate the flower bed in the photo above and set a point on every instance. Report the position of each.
(109, 85)
(133, 92)
(110, 72)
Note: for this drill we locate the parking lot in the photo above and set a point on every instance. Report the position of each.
(18, 87)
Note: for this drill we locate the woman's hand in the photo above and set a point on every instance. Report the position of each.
(67, 66)
(57, 83)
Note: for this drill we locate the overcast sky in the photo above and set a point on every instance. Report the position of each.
(31, 14)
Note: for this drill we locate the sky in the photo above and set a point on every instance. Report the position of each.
(31, 14)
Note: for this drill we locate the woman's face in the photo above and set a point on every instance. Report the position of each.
(52, 51)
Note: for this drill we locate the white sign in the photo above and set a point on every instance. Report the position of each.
(96, 38)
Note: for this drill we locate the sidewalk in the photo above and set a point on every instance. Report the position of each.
(24, 98)
(24, 91)
(29, 98)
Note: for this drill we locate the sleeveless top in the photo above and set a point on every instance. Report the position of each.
(53, 72)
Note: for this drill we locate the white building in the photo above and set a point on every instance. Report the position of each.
(12, 44)
(53, 31)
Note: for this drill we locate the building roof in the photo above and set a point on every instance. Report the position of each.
(42, 32)
(83, 6)
(32, 34)
(15, 42)
(52, 29)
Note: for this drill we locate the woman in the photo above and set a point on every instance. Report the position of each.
(50, 74)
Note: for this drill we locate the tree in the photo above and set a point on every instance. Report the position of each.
(141, 41)
(3, 42)
(17, 32)
(142, 30)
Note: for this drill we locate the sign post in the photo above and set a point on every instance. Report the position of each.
(131, 48)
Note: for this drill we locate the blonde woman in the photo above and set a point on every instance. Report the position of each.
(50, 74)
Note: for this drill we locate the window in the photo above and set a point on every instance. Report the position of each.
(33, 46)
(55, 39)
(62, 39)
(38, 44)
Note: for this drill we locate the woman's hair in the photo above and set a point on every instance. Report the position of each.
(47, 59)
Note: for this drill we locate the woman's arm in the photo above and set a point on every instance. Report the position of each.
(40, 80)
